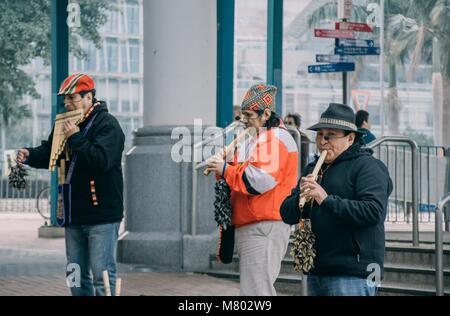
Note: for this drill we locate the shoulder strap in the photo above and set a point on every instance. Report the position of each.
(74, 158)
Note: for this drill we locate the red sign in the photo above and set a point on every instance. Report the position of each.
(357, 27)
(334, 33)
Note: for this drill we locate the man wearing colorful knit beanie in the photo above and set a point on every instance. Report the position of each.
(260, 173)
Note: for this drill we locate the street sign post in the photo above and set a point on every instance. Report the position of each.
(339, 67)
(351, 26)
(354, 51)
(346, 42)
(334, 33)
(320, 58)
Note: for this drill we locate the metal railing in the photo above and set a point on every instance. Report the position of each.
(439, 245)
(295, 133)
(414, 177)
(431, 181)
(13, 200)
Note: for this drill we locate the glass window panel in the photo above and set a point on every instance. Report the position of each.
(101, 88)
(135, 95)
(124, 57)
(134, 56)
(113, 95)
(133, 17)
(90, 63)
(112, 50)
(103, 58)
(112, 25)
(125, 96)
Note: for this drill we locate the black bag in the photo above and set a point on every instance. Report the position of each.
(226, 245)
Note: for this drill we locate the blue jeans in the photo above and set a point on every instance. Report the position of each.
(339, 286)
(91, 248)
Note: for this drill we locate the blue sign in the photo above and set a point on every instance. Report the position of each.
(352, 51)
(339, 67)
(427, 207)
(333, 59)
(347, 42)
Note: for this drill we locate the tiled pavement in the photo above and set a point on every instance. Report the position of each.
(36, 267)
(30, 266)
(133, 284)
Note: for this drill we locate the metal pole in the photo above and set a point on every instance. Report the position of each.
(304, 284)
(439, 252)
(345, 76)
(344, 87)
(225, 60)
(275, 49)
(382, 111)
(194, 193)
(415, 198)
(60, 70)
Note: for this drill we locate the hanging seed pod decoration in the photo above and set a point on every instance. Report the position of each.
(222, 204)
(17, 177)
(303, 249)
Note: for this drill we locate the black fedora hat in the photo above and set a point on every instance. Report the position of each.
(337, 116)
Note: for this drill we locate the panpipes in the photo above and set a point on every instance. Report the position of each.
(59, 138)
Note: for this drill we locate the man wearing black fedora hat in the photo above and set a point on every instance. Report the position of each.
(347, 208)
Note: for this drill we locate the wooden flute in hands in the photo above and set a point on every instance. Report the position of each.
(231, 146)
(315, 172)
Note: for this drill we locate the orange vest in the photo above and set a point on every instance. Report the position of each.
(269, 166)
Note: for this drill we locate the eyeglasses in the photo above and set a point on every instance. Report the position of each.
(329, 137)
(248, 116)
(69, 99)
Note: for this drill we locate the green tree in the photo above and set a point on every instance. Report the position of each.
(25, 34)
(422, 32)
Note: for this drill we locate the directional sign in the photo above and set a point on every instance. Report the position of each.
(346, 42)
(357, 51)
(339, 67)
(334, 33)
(333, 59)
(357, 27)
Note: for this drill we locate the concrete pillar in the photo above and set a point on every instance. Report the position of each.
(179, 86)
(179, 61)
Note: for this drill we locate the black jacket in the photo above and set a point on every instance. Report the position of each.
(99, 160)
(349, 225)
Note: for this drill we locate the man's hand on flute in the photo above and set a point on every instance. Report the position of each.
(215, 164)
(70, 128)
(310, 189)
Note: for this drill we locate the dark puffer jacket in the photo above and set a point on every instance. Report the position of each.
(349, 225)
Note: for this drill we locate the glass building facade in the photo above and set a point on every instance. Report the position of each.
(117, 69)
